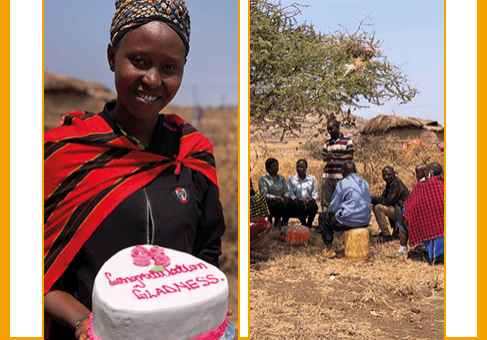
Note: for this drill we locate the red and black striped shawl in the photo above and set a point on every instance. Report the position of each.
(89, 170)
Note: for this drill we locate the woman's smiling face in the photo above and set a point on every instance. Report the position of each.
(148, 63)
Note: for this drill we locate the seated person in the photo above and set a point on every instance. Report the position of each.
(390, 204)
(303, 189)
(259, 227)
(349, 207)
(421, 172)
(274, 188)
(435, 169)
(424, 214)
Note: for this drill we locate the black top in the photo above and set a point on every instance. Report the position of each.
(395, 194)
(154, 214)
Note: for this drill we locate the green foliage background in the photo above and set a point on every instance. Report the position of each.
(296, 71)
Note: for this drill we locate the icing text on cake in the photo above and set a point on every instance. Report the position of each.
(138, 279)
(176, 287)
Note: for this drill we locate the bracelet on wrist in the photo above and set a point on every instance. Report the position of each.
(81, 319)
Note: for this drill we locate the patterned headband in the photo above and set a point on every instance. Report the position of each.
(133, 13)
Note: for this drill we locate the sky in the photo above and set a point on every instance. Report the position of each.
(76, 35)
(412, 32)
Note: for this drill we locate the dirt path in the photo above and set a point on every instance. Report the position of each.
(297, 293)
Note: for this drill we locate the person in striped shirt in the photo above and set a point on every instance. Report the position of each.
(337, 150)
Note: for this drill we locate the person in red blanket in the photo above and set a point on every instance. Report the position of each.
(424, 213)
(127, 175)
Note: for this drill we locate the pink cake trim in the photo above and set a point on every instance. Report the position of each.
(91, 334)
(213, 334)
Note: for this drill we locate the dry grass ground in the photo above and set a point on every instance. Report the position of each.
(299, 293)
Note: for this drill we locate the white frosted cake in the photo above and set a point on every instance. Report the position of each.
(151, 293)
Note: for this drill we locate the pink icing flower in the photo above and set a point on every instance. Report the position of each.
(142, 256)
(162, 259)
(154, 250)
(142, 260)
(139, 250)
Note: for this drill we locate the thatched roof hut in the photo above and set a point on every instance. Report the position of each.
(64, 94)
(405, 129)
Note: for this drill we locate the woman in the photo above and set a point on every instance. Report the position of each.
(274, 188)
(127, 175)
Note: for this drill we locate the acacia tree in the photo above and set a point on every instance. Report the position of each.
(296, 71)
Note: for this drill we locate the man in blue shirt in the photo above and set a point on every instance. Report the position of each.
(349, 207)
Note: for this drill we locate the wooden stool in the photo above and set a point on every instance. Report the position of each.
(357, 243)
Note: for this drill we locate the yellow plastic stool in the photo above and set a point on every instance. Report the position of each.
(357, 242)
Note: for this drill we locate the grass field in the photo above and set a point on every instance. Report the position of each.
(302, 293)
